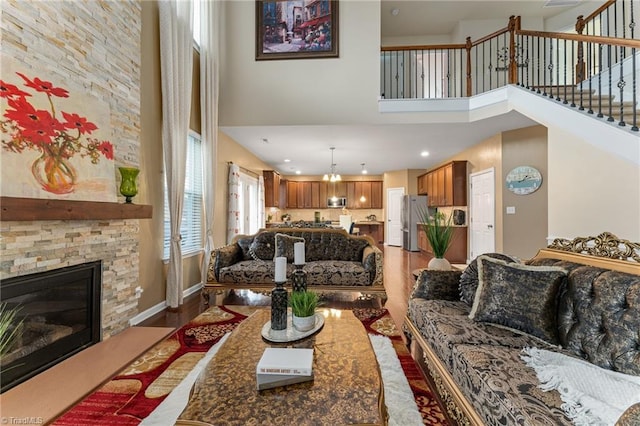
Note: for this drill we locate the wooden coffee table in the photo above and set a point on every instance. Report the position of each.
(347, 386)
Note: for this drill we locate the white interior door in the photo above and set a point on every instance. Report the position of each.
(482, 213)
(393, 232)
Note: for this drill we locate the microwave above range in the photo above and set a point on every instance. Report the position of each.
(336, 202)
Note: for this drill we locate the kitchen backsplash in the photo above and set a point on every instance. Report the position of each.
(325, 214)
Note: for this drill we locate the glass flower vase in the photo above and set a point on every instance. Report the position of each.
(54, 173)
(128, 186)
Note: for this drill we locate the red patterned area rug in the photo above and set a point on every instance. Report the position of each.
(142, 386)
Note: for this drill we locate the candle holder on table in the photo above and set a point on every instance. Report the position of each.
(279, 304)
(279, 300)
(299, 278)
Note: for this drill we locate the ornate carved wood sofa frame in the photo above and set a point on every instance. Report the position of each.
(484, 353)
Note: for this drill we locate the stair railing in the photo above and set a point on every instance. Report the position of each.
(615, 18)
(598, 74)
(607, 84)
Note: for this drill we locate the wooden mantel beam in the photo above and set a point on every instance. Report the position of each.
(32, 209)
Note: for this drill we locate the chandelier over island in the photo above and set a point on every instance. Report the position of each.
(333, 177)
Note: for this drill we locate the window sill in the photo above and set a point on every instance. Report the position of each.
(185, 256)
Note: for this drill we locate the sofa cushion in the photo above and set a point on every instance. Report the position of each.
(323, 272)
(469, 277)
(334, 246)
(444, 324)
(284, 246)
(502, 389)
(519, 297)
(336, 272)
(245, 245)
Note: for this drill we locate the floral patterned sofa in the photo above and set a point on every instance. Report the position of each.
(333, 260)
(458, 324)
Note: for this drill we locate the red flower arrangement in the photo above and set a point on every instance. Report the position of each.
(40, 129)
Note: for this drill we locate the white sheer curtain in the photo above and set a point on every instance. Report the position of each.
(261, 217)
(210, 12)
(176, 58)
(233, 212)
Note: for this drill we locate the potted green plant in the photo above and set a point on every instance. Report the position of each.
(303, 306)
(438, 229)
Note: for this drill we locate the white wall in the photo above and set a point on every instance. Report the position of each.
(590, 190)
(302, 92)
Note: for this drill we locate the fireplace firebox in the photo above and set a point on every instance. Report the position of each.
(58, 315)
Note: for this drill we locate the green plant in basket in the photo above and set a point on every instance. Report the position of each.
(438, 229)
(303, 303)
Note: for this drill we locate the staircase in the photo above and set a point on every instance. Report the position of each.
(601, 105)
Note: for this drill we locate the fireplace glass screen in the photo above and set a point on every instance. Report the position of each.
(57, 315)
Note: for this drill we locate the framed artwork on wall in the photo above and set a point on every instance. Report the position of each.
(296, 29)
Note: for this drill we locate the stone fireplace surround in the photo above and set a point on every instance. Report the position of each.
(35, 245)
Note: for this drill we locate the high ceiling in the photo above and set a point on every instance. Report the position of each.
(392, 147)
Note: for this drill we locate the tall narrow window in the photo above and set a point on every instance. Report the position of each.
(248, 203)
(191, 225)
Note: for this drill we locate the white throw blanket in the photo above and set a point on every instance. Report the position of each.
(591, 395)
(401, 404)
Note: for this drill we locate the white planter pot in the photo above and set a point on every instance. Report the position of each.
(304, 323)
(439, 264)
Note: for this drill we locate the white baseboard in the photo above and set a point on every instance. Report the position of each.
(155, 309)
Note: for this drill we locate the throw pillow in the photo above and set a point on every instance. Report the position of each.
(284, 246)
(262, 247)
(519, 297)
(469, 278)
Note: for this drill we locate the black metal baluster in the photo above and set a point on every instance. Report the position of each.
(573, 75)
(429, 74)
(558, 69)
(600, 114)
(634, 127)
(632, 24)
(622, 83)
(490, 66)
(539, 58)
(422, 95)
(463, 71)
(589, 75)
(484, 70)
(565, 71)
(449, 79)
(441, 74)
(610, 118)
(544, 69)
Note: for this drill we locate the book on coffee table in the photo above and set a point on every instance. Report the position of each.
(284, 366)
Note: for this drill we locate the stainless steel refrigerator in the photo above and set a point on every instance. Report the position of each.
(411, 207)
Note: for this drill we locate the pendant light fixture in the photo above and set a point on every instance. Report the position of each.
(333, 177)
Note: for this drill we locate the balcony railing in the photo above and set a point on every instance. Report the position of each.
(594, 73)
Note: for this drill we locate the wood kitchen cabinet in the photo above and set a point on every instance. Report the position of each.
(457, 252)
(446, 185)
(272, 189)
(376, 194)
(373, 229)
(314, 194)
(292, 194)
(355, 191)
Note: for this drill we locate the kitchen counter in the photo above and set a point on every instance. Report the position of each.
(369, 222)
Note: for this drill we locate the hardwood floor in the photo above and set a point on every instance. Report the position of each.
(398, 283)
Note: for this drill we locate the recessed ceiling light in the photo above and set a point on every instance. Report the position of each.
(286, 160)
(298, 172)
(425, 153)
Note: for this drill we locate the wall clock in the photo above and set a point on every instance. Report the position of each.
(524, 180)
